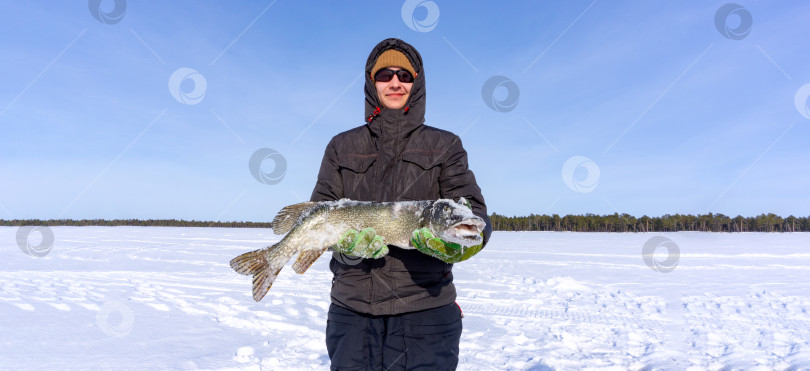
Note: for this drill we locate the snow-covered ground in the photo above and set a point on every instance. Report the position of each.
(165, 298)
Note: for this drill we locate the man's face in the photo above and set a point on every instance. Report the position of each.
(393, 94)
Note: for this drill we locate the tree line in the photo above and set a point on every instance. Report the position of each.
(571, 223)
(131, 222)
(666, 223)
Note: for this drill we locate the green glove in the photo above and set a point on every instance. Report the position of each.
(448, 252)
(365, 244)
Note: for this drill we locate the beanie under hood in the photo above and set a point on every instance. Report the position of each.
(413, 114)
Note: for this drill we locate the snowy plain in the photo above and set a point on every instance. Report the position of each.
(165, 298)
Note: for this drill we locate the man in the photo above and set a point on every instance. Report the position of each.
(398, 311)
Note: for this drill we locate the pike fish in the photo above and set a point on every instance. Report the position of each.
(312, 227)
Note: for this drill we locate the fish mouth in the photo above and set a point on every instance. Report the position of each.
(467, 232)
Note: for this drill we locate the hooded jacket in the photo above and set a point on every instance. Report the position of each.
(394, 156)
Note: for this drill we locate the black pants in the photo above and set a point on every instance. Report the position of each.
(425, 340)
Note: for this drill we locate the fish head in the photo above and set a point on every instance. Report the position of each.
(455, 222)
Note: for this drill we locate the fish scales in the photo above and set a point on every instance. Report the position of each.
(325, 223)
(312, 227)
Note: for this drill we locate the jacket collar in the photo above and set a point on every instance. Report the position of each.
(393, 124)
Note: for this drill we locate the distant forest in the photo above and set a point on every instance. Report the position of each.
(130, 222)
(667, 223)
(572, 223)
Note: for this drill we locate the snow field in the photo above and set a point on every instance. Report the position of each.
(157, 298)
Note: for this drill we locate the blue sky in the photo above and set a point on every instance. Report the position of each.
(657, 110)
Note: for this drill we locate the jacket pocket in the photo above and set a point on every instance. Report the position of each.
(356, 178)
(421, 175)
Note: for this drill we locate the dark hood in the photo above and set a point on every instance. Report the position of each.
(399, 121)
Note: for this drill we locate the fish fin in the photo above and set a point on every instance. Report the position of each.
(263, 270)
(286, 218)
(305, 259)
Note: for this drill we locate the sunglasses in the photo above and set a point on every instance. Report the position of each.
(386, 74)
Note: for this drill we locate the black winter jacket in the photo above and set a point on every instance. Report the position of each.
(395, 157)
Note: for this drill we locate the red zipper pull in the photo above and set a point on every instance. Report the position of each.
(375, 113)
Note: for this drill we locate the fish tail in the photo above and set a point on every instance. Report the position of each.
(263, 269)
